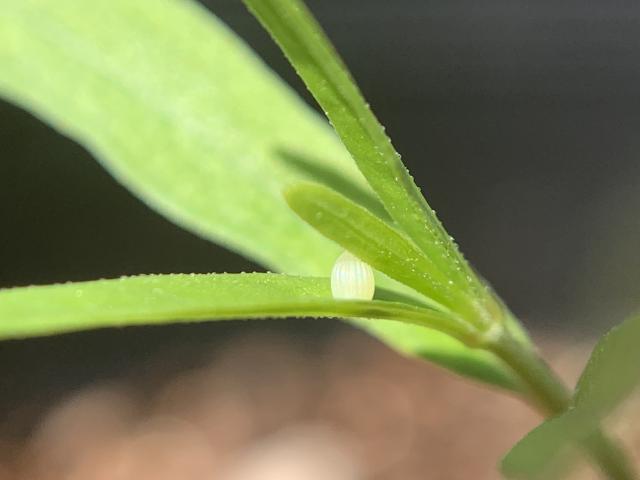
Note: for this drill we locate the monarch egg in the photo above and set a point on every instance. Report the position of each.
(352, 279)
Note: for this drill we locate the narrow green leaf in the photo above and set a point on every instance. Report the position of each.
(310, 52)
(181, 112)
(377, 243)
(315, 171)
(149, 299)
(157, 299)
(612, 372)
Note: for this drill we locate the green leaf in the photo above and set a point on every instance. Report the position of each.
(612, 372)
(541, 454)
(310, 52)
(181, 112)
(444, 350)
(549, 451)
(151, 299)
(377, 243)
(156, 299)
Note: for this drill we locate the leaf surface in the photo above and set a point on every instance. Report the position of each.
(313, 56)
(149, 299)
(184, 115)
(379, 244)
(542, 453)
(181, 112)
(611, 374)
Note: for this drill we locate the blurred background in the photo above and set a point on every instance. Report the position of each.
(519, 120)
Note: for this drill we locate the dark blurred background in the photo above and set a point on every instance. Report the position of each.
(519, 119)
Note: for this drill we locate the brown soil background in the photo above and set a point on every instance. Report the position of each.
(263, 409)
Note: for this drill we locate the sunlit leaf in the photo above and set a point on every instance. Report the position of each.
(310, 52)
(181, 112)
(153, 299)
(377, 243)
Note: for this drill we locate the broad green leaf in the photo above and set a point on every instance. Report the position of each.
(310, 52)
(377, 243)
(550, 450)
(181, 112)
(151, 299)
(444, 350)
(542, 453)
(612, 372)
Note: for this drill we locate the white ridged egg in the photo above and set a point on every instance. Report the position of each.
(352, 279)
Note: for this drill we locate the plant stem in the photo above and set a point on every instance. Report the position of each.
(546, 390)
(551, 397)
(609, 456)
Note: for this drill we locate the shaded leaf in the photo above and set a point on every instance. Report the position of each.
(612, 372)
(542, 453)
(446, 351)
(313, 169)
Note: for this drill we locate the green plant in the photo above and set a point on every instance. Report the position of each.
(140, 85)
